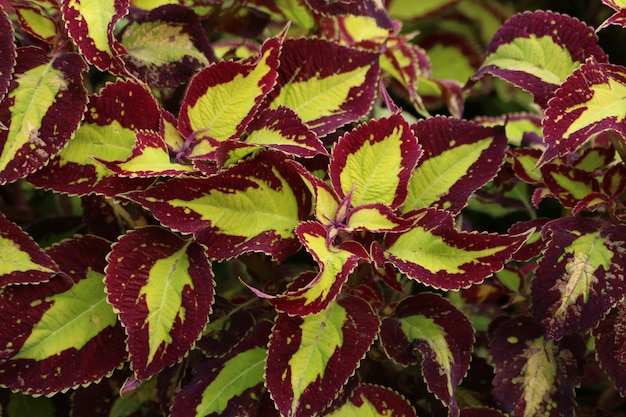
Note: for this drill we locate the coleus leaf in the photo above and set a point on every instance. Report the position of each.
(223, 98)
(165, 45)
(327, 85)
(590, 101)
(443, 335)
(108, 132)
(374, 401)
(537, 51)
(37, 19)
(7, 51)
(373, 163)
(253, 206)
(41, 111)
(436, 254)
(90, 24)
(617, 18)
(579, 278)
(335, 265)
(374, 9)
(533, 376)
(228, 386)
(22, 261)
(162, 287)
(149, 158)
(459, 158)
(310, 358)
(610, 345)
(567, 183)
(52, 327)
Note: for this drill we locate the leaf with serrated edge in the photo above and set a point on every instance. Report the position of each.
(537, 51)
(166, 45)
(335, 264)
(610, 345)
(325, 84)
(7, 52)
(374, 162)
(534, 377)
(459, 158)
(41, 111)
(617, 18)
(443, 335)
(590, 101)
(222, 99)
(112, 120)
(22, 261)
(374, 401)
(434, 253)
(310, 358)
(37, 21)
(253, 206)
(162, 287)
(90, 24)
(227, 386)
(50, 327)
(580, 277)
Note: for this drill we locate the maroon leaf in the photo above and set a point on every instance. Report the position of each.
(7, 52)
(373, 9)
(374, 401)
(162, 287)
(610, 345)
(534, 376)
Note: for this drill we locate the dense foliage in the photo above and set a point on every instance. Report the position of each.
(308, 208)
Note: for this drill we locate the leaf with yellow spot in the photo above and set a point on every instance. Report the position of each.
(534, 377)
(50, 327)
(310, 358)
(537, 51)
(231, 385)
(442, 334)
(580, 277)
(335, 265)
(327, 85)
(223, 98)
(374, 162)
(253, 206)
(107, 133)
(22, 261)
(459, 158)
(436, 254)
(90, 24)
(166, 45)
(162, 287)
(41, 111)
(369, 400)
(590, 101)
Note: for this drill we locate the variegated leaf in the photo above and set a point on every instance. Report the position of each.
(7, 51)
(580, 277)
(325, 84)
(442, 334)
(335, 264)
(610, 345)
(459, 158)
(90, 24)
(373, 163)
(108, 133)
(223, 98)
(41, 111)
(537, 51)
(228, 386)
(50, 328)
(166, 45)
(533, 376)
(22, 261)
(373, 9)
(590, 101)
(374, 401)
(436, 254)
(310, 358)
(37, 19)
(253, 206)
(162, 287)
(617, 18)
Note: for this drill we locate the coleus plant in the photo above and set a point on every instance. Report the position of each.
(284, 208)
